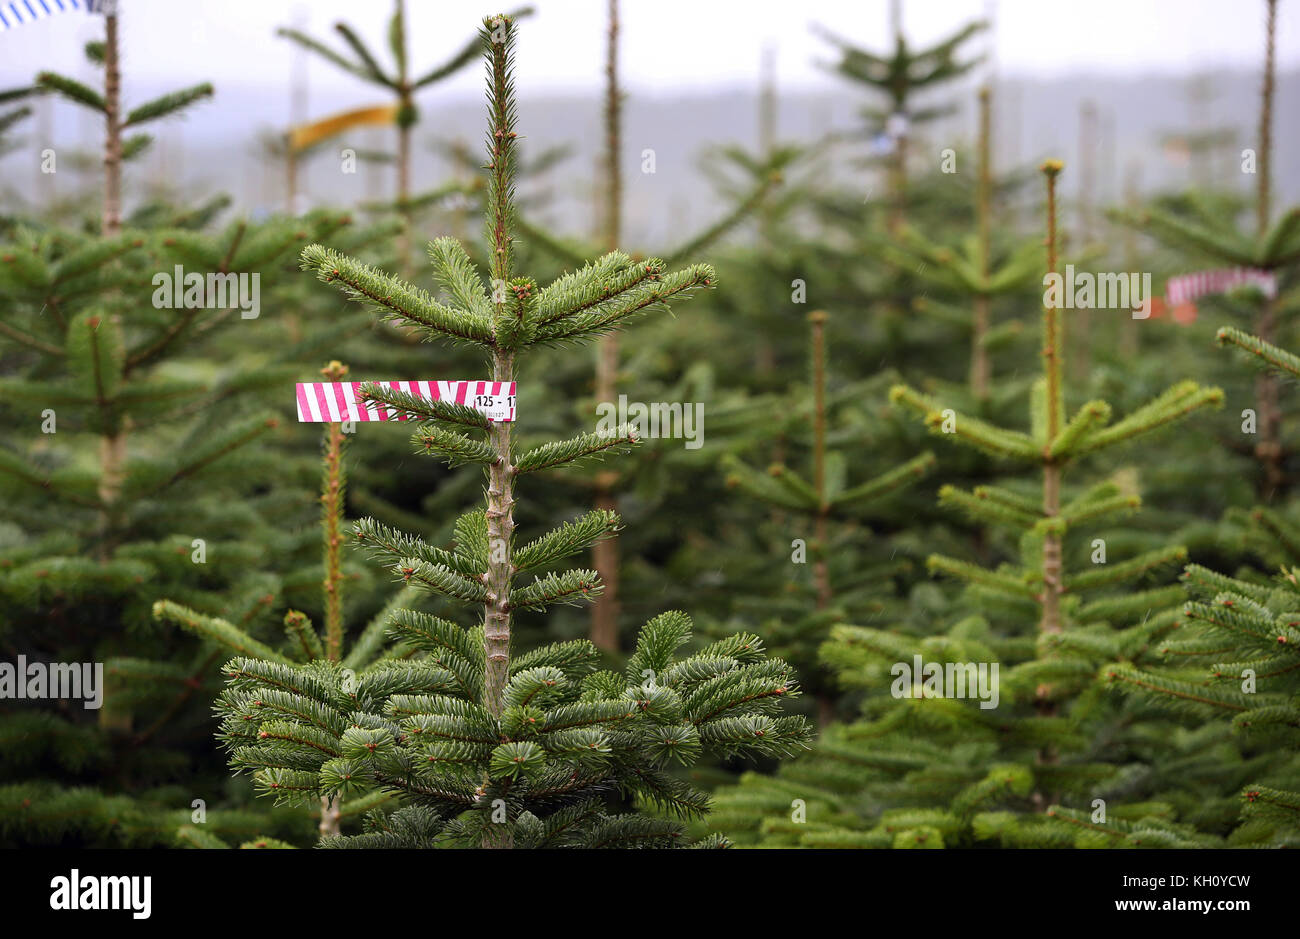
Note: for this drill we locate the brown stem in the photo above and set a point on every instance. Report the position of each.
(501, 472)
(898, 184)
(112, 218)
(291, 183)
(403, 195)
(331, 513)
(979, 358)
(1264, 174)
(500, 527)
(1081, 331)
(112, 446)
(1129, 332)
(821, 574)
(821, 525)
(1052, 580)
(1269, 449)
(605, 554)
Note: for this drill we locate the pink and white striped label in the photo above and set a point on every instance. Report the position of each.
(321, 401)
(1187, 287)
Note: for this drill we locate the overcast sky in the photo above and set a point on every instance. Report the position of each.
(669, 46)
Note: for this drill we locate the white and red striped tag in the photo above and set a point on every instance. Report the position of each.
(321, 401)
(1187, 287)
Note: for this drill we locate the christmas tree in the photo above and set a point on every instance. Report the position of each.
(486, 747)
(827, 498)
(128, 471)
(1204, 227)
(970, 269)
(1228, 658)
(900, 76)
(399, 83)
(304, 642)
(956, 753)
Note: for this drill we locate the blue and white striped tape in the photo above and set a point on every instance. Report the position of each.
(17, 12)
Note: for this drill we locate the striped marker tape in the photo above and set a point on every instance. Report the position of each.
(336, 401)
(17, 12)
(1187, 287)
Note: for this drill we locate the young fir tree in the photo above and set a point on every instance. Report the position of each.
(10, 117)
(972, 269)
(117, 148)
(823, 500)
(304, 643)
(126, 473)
(1231, 655)
(486, 747)
(604, 629)
(901, 76)
(1210, 234)
(399, 83)
(927, 768)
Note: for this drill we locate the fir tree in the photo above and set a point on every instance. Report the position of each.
(485, 747)
(924, 768)
(825, 498)
(118, 148)
(971, 268)
(1232, 654)
(900, 76)
(126, 474)
(304, 643)
(398, 82)
(1203, 229)
(606, 483)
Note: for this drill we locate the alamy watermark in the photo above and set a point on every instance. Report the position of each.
(916, 679)
(49, 680)
(77, 891)
(1123, 290)
(179, 290)
(677, 420)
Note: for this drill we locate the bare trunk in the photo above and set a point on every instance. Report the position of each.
(496, 611)
(291, 182)
(1264, 175)
(1081, 331)
(112, 446)
(329, 817)
(898, 184)
(605, 554)
(979, 357)
(1129, 331)
(112, 219)
(1269, 449)
(821, 528)
(332, 501)
(1053, 581)
(403, 195)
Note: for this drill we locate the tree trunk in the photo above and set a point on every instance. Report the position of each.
(605, 554)
(979, 356)
(112, 216)
(1269, 415)
(112, 446)
(329, 817)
